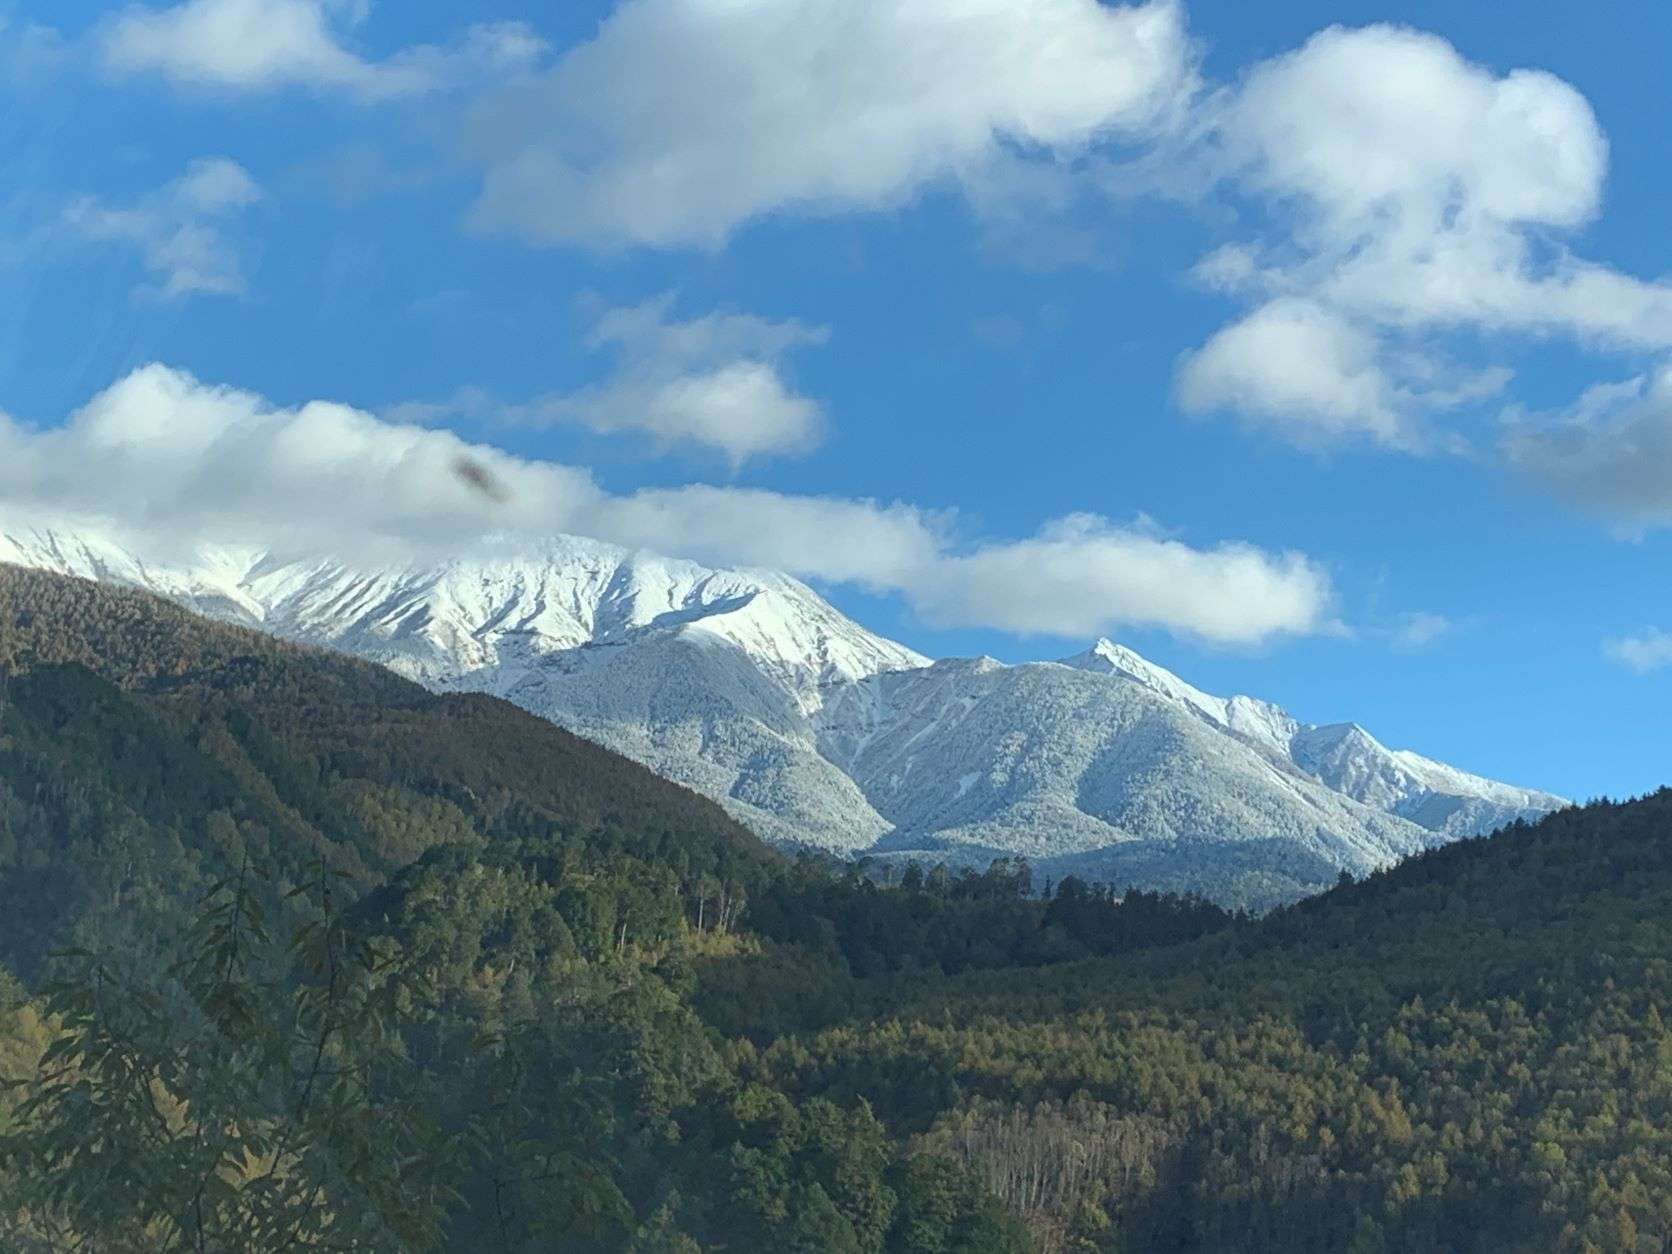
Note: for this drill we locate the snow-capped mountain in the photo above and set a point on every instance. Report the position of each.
(749, 686)
(1343, 755)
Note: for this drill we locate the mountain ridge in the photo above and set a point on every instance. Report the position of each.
(749, 687)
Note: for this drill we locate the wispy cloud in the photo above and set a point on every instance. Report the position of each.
(1610, 454)
(29, 52)
(718, 381)
(268, 45)
(1419, 629)
(179, 231)
(1648, 651)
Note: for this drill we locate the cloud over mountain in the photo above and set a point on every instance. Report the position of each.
(717, 381)
(165, 456)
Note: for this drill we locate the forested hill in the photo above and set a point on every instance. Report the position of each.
(1467, 1052)
(1547, 911)
(146, 752)
(360, 967)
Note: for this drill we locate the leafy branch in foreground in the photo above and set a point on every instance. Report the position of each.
(252, 1097)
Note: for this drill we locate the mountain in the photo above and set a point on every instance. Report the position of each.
(1081, 772)
(1466, 1052)
(548, 1000)
(708, 677)
(312, 956)
(146, 752)
(1343, 755)
(749, 687)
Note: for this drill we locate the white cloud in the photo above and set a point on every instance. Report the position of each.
(716, 381)
(1611, 454)
(1389, 128)
(173, 462)
(1419, 629)
(742, 408)
(1302, 368)
(1318, 375)
(647, 332)
(1083, 575)
(1408, 193)
(681, 120)
(1650, 651)
(881, 547)
(266, 45)
(179, 231)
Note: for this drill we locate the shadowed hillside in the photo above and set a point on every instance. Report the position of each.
(358, 966)
(148, 751)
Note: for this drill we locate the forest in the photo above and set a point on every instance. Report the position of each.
(298, 955)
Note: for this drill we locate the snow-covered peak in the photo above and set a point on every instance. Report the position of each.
(749, 686)
(1246, 716)
(505, 601)
(1353, 761)
(204, 578)
(1105, 657)
(1344, 756)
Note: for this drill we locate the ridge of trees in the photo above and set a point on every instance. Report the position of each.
(343, 964)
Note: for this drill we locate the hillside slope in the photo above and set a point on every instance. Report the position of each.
(614, 1021)
(750, 688)
(146, 751)
(1468, 1052)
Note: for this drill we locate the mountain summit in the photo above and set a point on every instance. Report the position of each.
(750, 687)
(1343, 755)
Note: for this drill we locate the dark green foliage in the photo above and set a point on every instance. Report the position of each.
(1467, 1052)
(840, 941)
(969, 921)
(145, 752)
(540, 1000)
(469, 1027)
(212, 1108)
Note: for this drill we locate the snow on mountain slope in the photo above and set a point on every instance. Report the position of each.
(1047, 760)
(1343, 755)
(748, 686)
(707, 676)
(439, 622)
(1246, 716)
(1439, 797)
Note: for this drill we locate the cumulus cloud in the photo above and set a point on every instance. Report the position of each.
(681, 120)
(1409, 193)
(742, 408)
(717, 381)
(265, 45)
(178, 231)
(171, 462)
(1610, 455)
(1082, 575)
(1650, 651)
(1318, 375)
(1302, 368)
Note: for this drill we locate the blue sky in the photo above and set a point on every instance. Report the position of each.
(1349, 344)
